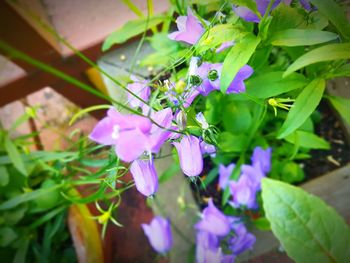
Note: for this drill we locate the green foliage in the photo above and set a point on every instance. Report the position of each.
(308, 229)
(303, 107)
(131, 29)
(307, 140)
(238, 56)
(321, 54)
(272, 84)
(301, 37)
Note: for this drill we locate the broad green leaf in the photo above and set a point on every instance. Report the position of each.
(15, 156)
(301, 37)
(4, 176)
(331, 10)
(321, 54)
(307, 140)
(21, 254)
(229, 142)
(238, 56)
(303, 107)
(131, 29)
(210, 177)
(262, 224)
(308, 229)
(272, 84)
(342, 105)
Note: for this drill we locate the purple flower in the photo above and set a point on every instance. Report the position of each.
(244, 192)
(213, 256)
(132, 134)
(207, 148)
(262, 158)
(214, 221)
(224, 46)
(237, 84)
(206, 77)
(224, 175)
(189, 27)
(140, 88)
(127, 132)
(145, 176)
(201, 119)
(159, 234)
(208, 250)
(249, 16)
(242, 241)
(189, 151)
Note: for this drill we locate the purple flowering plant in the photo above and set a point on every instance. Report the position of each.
(232, 89)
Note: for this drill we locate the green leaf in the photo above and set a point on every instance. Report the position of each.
(217, 35)
(308, 229)
(168, 173)
(210, 177)
(334, 13)
(321, 54)
(262, 224)
(291, 172)
(343, 71)
(229, 142)
(7, 236)
(303, 107)
(238, 56)
(272, 84)
(131, 29)
(21, 254)
(15, 156)
(301, 37)
(236, 117)
(307, 140)
(342, 105)
(4, 176)
(19, 199)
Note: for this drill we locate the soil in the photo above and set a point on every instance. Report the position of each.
(322, 161)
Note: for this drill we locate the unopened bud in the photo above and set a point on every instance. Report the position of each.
(181, 120)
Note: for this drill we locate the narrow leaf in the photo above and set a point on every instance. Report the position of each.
(238, 56)
(133, 8)
(15, 156)
(307, 140)
(334, 13)
(308, 229)
(131, 29)
(301, 37)
(272, 84)
(304, 105)
(324, 53)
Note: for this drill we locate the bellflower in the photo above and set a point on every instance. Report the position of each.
(254, 173)
(262, 158)
(224, 175)
(159, 234)
(214, 221)
(244, 192)
(242, 240)
(140, 88)
(145, 176)
(206, 78)
(249, 16)
(207, 148)
(189, 151)
(201, 119)
(132, 134)
(224, 46)
(189, 27)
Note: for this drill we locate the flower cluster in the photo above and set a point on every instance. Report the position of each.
(216, 230)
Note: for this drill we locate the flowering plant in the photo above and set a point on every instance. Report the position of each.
(245, 79)
(234, 89)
